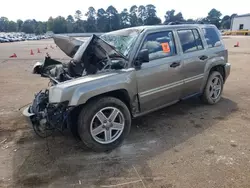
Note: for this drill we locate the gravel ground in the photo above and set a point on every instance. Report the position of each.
(186, 145)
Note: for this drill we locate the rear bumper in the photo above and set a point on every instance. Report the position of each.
(227, 70)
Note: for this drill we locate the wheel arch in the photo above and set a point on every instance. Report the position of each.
(217, 67)
(220, 69)
(121, 94)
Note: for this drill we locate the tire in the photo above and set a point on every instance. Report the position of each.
(109, 138)
(211, 86)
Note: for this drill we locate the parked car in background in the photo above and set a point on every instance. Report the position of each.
(3, 39)
(15, 37)
(10, 39)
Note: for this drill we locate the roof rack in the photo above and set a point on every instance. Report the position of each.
(179, 23)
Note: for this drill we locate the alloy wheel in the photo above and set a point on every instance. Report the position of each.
(107, 125)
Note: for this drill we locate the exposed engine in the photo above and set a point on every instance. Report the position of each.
(62, 73)
(48, 117)
(91, 57)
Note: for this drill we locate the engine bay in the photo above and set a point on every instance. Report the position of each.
(92, 57)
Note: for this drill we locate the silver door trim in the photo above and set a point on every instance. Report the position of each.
(169, 86)
(197, 77)
(161, 88)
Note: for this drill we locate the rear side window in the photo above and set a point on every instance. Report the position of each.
(212, 37)
(190, 40)
(160, 45)
(197, 39)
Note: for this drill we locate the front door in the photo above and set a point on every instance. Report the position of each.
(159, 81)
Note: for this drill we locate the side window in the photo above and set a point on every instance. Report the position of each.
(160, 45)
(212, 37)
(190, 40)
(198, 39)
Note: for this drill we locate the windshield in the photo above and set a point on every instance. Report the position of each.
(122, 40)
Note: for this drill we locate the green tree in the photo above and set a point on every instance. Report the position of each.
(4, 24)
(34, 25)
(12, 26)
(78, 15)
(70, 19)
(70, 24)
(151, 17)
(214, 17)
(40, 28)
(102, 20)
(170, 16)
(44, 27)
(113, 17)
(91, 12)
(226, 22)
(79, 25)
(19, 24)
(133, 16)
(142, 15)
(50, 24)
(28, 26)
(125, 20)
(60, 25)
(91, 20)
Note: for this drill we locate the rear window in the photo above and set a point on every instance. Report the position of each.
(212, 37)
(190, 40)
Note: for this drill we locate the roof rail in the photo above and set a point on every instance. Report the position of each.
(179, 23)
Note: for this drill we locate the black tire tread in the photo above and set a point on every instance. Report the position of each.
(204, 96)
(86, 115)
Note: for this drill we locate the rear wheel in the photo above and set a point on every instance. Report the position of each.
(214, 87)
(104, 123)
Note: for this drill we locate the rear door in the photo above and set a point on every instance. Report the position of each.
(159, 81)
(194, 58)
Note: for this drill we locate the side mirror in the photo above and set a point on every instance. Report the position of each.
(143, 57)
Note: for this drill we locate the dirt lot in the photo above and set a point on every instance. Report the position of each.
(184, 146)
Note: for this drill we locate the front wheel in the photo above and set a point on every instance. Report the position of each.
(104, 123)
(214, 87)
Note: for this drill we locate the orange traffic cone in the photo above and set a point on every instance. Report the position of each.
(237, 45)
(38, 50)
(31, 52)
(13, 56)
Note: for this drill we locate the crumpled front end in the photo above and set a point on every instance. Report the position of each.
(45, 117)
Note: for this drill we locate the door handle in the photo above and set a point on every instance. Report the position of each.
(175, 64)
(203, 57)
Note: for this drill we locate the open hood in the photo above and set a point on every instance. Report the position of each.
(68, 45)
(88, 57)
(98, 47)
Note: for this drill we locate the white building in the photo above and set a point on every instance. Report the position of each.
(241, 22)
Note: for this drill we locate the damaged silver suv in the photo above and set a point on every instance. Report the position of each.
(125, 74)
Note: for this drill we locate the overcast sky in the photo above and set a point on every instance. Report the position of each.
(43, 9)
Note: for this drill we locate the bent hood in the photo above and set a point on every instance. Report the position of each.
(68, 45)
(98, 47)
